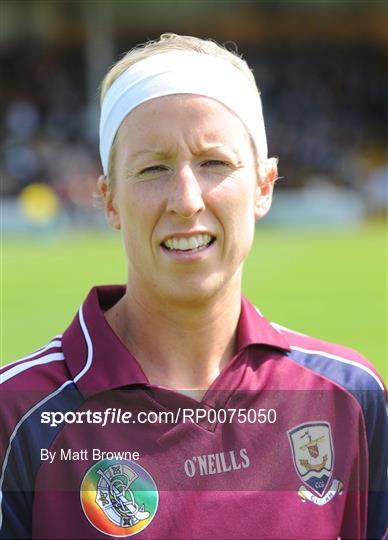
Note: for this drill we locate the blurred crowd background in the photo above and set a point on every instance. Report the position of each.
(321, 68)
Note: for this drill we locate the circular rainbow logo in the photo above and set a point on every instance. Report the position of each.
(118, 497)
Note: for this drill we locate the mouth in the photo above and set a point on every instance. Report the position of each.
(188, 244)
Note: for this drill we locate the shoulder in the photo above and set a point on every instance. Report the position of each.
(355, 375)
(19, 373)
(29, 386)
(342, 365)
(29, 383)
(348, 371)
(38, 372)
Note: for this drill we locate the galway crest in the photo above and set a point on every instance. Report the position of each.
(313, 455)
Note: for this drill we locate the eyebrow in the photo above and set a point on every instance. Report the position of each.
(156, 153)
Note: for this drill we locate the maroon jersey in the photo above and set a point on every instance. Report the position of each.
(290, 440)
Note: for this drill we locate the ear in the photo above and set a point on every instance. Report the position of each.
(111, 212)
(264, 188)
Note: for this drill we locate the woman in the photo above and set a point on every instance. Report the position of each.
(170, 408)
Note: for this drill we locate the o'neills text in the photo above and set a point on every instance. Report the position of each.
(221, 462)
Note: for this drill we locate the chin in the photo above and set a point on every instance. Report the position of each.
(194, 292)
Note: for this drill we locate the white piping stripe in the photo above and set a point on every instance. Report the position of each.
(53, 343)
(280, 327)
(89, 345)
(344, 361)
(54, 357)
(89, 360)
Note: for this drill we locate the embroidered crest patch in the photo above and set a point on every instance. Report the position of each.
(313, 455)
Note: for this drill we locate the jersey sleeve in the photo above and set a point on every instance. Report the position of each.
(374, 406)
(351, 371)
(27, 387)
(16, 481)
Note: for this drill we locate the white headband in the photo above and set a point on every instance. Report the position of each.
(181, 72)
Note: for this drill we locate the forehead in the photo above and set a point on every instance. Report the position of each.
(187, 118)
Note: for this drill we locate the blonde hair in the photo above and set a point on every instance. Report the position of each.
(173, 42)
(169, 42)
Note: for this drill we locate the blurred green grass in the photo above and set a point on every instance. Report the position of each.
(326, 283)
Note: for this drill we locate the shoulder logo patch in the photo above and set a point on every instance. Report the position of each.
(313, 455)
(119, 497)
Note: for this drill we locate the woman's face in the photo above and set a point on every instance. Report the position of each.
(185, 196)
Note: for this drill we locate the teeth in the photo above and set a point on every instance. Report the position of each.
(183, 244)
(186, 244)
(193, 242)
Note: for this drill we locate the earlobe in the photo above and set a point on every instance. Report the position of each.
(263, 204)
(264, 189)
(111, 213)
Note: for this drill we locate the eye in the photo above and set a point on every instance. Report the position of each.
(154, 169)
(215, 163)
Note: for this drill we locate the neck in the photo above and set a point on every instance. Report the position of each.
(180, 346)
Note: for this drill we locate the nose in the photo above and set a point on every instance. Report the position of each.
(185, 197)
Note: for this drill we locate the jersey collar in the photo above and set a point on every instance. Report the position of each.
(98, 361)
(254, 329)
